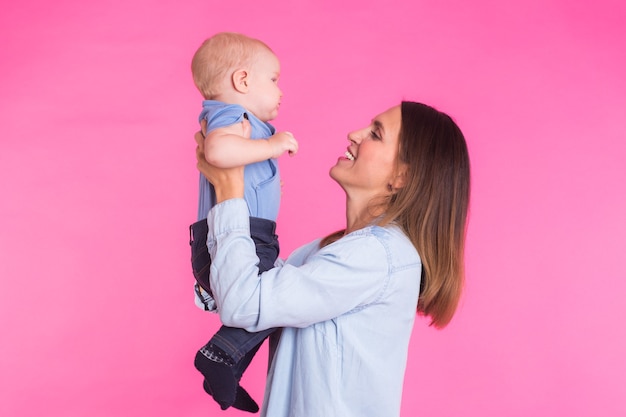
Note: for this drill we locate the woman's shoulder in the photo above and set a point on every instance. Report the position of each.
(372, 243)
(396, 243)
(377, 241)
(301, 254)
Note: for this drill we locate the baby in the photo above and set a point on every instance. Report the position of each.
(238, 78)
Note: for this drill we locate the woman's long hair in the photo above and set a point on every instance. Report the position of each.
(432, 205)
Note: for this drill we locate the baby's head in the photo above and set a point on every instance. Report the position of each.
(237, 69)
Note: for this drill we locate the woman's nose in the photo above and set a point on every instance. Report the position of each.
(355, 136)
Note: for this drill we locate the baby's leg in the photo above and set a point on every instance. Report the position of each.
(200, 259)
(223, 360)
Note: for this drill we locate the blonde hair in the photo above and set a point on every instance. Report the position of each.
(218, 56)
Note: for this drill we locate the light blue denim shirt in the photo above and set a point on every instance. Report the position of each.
(347, 310)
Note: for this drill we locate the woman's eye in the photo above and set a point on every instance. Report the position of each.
(374, 135)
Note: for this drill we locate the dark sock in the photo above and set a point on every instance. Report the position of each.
(220, 381)
(243, 400)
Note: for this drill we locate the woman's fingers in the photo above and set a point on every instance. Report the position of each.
(199, 137)
(202, 164)
(247, 128)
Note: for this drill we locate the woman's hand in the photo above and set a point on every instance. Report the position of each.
(228, 182)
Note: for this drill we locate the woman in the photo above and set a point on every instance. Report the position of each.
(347, 302)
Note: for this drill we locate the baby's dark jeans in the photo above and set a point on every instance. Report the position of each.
(234, 341)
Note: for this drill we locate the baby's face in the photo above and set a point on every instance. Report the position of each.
(263, 93)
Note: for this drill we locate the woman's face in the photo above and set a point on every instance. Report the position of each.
(369, 166)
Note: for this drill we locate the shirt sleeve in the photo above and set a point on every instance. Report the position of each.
(342, 277)
(222, 116)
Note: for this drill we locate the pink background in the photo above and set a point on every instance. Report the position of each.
(98, 185)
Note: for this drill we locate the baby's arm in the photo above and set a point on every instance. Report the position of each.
(231, 146)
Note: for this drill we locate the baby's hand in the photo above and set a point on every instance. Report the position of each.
(283, 142)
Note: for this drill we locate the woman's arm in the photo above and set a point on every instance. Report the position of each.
(339, 278)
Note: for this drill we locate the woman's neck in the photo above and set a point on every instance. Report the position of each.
(359, 213)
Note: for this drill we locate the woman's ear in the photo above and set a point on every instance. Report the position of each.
(240, 81)
(399, 180)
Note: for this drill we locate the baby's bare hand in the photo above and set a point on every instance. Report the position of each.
(282, 142)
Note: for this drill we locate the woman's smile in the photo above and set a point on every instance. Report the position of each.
(347, 156)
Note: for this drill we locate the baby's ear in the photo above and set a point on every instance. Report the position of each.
(240, 80)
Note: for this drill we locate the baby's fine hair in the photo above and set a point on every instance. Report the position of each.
(218, 56)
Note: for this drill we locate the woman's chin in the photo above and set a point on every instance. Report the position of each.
(333, 173)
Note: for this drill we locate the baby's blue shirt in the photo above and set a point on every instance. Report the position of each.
(262, 179)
